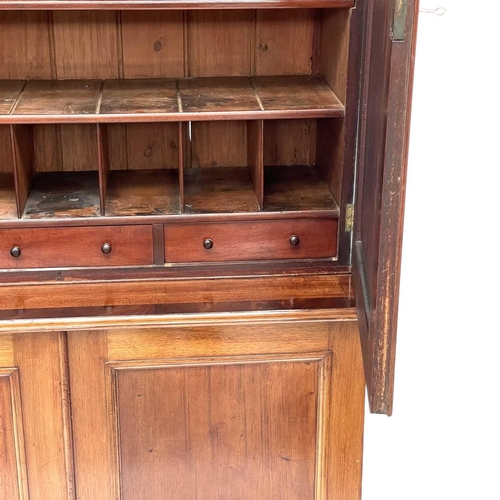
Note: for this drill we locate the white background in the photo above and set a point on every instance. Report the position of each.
(443, 440)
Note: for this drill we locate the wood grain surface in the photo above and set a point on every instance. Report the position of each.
(142, 100)
(251, 240)
(79, 246)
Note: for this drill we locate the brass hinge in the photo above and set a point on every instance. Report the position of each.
(398, 28)
(349, 218)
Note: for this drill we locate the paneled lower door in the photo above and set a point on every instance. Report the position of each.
(218, 412)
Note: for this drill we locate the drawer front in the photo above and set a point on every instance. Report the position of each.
(76, 247)
(237, 241)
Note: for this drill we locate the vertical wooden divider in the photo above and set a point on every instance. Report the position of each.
(181, 157)
(103, 164)
(255, 146)
(185, 144)
(23, 155)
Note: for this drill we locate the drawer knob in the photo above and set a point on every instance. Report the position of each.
(106, 248)
(294, 240)
(208, 244)
(15, 251)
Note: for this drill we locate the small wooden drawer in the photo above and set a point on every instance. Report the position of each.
(76, 247)
(262, 240)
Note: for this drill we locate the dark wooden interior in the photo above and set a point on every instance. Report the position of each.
(119, 113)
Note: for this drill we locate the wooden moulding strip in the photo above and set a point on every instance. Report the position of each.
(176, 320)
(169, 4)
(175, 291)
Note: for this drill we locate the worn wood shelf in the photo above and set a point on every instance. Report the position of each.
(219, 190)
(168, 4)
(143, 192)
(157, 100)
(63, 195)
(296, 187)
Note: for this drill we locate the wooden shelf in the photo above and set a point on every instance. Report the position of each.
(296, 187)
(157, 100)
(143, 192)
(62, 195)
(219, 190)
(8, 208)
(168, 4)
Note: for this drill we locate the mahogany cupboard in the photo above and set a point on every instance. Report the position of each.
(201, 207)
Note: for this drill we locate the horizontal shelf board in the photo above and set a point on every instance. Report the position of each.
(295, 93)
(63, 194)
(143, 192)
(75, 221)
(157, 100)
(9, 92)
(169, 4)
(7, 197)
(59, 97)
(139, 96)
(296, 187)
(219, 190)
(208, 95)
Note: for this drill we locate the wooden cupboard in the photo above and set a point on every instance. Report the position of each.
(201, 208)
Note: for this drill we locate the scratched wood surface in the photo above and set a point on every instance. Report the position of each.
(80, 101)
(139, 96)
(9, 91)
(219, 189)
(143, 192)
(296, 187)
(74, 194)
(66, 97)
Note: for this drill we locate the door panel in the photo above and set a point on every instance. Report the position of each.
(384, 128)
(232, 429)
(35, 434)
(238, 412)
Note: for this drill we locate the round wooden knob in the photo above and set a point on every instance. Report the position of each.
(106, 248)
(294, 240)
(208, 243)
(15, 251)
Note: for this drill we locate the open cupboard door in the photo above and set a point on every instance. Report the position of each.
(382, 157)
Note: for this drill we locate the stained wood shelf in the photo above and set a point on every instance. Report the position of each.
(219, 190)
(143, 192)
(158, 100)
(169, 4)
(296, 187)
(63, 195)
